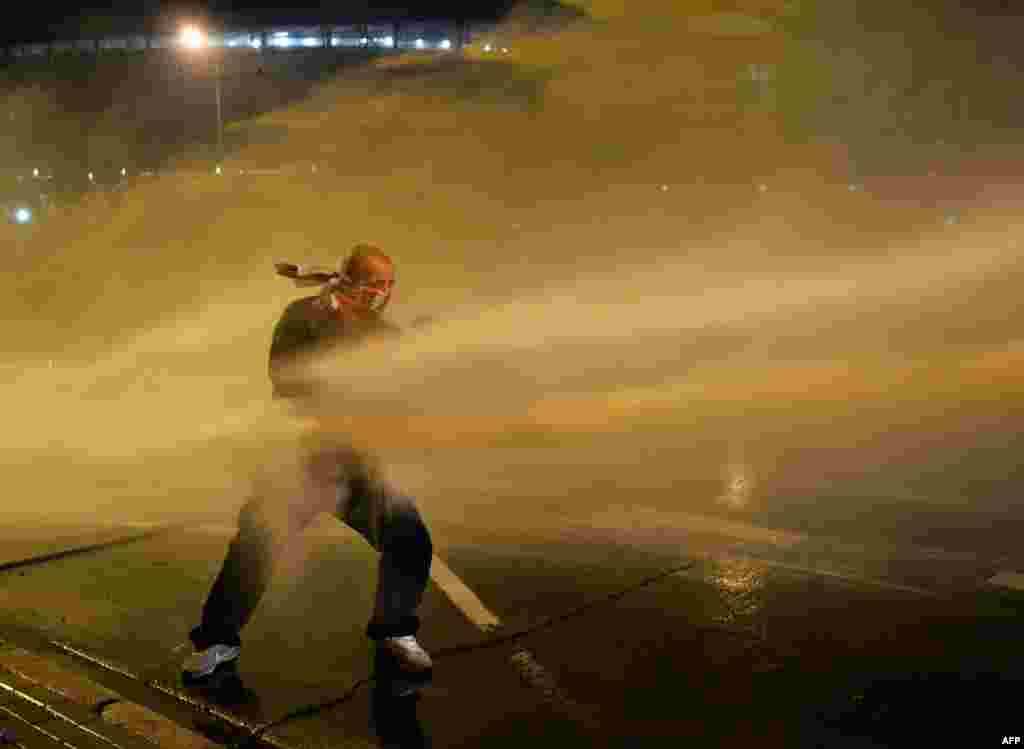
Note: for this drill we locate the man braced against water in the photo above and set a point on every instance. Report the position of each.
(327, 473)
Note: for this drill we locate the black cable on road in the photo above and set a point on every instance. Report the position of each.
(89, 548)
(504, 638)
(256, 734)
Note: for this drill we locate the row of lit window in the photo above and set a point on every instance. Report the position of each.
(283, 39)
(194, 37)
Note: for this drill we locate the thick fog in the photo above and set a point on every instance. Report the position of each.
(631, 310)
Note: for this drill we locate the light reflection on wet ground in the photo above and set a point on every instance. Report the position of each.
(741, 585)
(736, 648)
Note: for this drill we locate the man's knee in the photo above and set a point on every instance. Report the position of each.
(405, 536)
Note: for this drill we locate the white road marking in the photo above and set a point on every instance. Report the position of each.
(651, 525)
(533, 673)
(529, 669)
(476, 612)
(464, 599)
(821, 572)
(460, 594)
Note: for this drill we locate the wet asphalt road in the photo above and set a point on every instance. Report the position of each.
(771, 636)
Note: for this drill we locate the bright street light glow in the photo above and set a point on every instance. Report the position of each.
(310, 41)
(446, 44)
(123, 171)
(90, 176)
(35, 172)
(22, 215)
(420, 44)
(192, 38)
(487, 48)
(389, 41)
(364, 41)
(255, 44)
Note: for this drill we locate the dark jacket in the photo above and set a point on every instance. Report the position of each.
(308, 328)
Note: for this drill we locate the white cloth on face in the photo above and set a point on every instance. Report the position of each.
(308, 274)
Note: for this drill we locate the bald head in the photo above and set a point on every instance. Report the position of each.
(369, 276)
(366, 260)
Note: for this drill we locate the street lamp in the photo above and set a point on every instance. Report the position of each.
(194, 38)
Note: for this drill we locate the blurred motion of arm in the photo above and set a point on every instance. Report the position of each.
(293, 340)
(572, 417)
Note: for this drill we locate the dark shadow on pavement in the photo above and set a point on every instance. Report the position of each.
(230, 694)
(941, 707)
(393, 717)
(394, 721)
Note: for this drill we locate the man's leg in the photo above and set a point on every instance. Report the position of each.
(243, 579)
(391, 523)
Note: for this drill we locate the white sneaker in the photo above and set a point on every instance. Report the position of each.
(409, 653)
(205, 663)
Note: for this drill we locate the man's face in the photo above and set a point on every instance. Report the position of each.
(372, 282)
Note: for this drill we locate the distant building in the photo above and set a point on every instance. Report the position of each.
(405, 35)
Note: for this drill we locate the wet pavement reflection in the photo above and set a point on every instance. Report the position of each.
(732, 650)
(741, 584)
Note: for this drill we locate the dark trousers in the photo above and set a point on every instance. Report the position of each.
(388, 520)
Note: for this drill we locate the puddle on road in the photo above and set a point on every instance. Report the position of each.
(741, 587)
